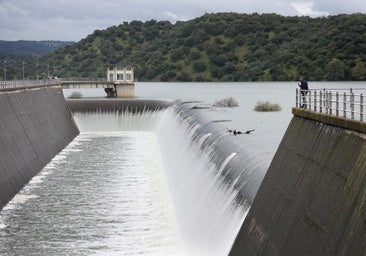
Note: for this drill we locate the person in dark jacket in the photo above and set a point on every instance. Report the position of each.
(304, 90)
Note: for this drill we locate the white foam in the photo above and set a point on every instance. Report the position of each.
(17, 200)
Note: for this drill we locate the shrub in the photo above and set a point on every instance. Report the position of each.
(266, 106)
(75, 95)
(199, 66)
(227, 102)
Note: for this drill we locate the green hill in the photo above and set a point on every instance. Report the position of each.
(14, 55)
(223, 47)
(36, 48)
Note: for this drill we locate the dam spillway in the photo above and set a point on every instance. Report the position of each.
(209, 186)
(207, 211)
(220, 173)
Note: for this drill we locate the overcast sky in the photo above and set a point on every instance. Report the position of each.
(72, 20)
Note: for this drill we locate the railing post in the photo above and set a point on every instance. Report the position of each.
(326, 102)
(309, 100)
(321, 102)
(344, 105)
(352, 98)
(361, 107)
(315, 100)
(337, 104)
(330, 102)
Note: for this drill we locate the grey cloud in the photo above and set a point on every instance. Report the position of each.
(74, 19)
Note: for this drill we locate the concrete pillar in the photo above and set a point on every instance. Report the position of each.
(125, 90)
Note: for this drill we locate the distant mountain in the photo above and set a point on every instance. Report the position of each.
(36, 48)
(21, 59)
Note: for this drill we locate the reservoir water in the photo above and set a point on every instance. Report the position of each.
(138, 185)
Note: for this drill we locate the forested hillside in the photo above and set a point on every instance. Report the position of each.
(36, 48)
(223, 47)
(22, 55)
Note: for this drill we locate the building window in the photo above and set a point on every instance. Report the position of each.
(128, 77)
(110, 77)
(119, 76)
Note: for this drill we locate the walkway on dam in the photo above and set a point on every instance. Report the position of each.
(118, 88)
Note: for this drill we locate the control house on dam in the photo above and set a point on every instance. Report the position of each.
(123, 80)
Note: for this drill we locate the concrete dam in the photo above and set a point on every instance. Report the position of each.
(35, 126)
(311, 200)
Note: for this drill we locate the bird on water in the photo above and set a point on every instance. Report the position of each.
(237, 132)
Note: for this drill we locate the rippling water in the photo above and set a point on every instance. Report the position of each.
(105, 194)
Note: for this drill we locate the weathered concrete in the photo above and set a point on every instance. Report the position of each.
(312, 200)
(125, 90)
(35, 126)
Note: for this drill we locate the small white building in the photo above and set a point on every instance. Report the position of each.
(120, 75)
(123, 80)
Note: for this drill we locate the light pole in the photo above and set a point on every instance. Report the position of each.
(37, 70)
(48, 71)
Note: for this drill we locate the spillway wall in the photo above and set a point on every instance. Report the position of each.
(312, 200)
(35, 126)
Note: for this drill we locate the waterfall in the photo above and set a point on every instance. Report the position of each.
(212, 179)
(126, 120)
(212, 176)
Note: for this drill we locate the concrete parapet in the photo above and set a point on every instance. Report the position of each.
(35, 126)
(312, 199)
(341, 122)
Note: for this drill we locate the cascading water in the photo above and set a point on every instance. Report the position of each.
(117, 120)
(212, 179)
(104, 194)
(163, 182)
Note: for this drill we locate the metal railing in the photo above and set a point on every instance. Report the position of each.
(347, 103)
(27, 83)
(13, 84)
(82, 79)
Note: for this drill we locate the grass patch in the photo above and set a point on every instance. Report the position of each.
(266, 106)
(228, 102)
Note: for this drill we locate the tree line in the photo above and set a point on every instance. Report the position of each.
(223, 47)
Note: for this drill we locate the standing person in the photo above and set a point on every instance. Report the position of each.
(304, 90)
